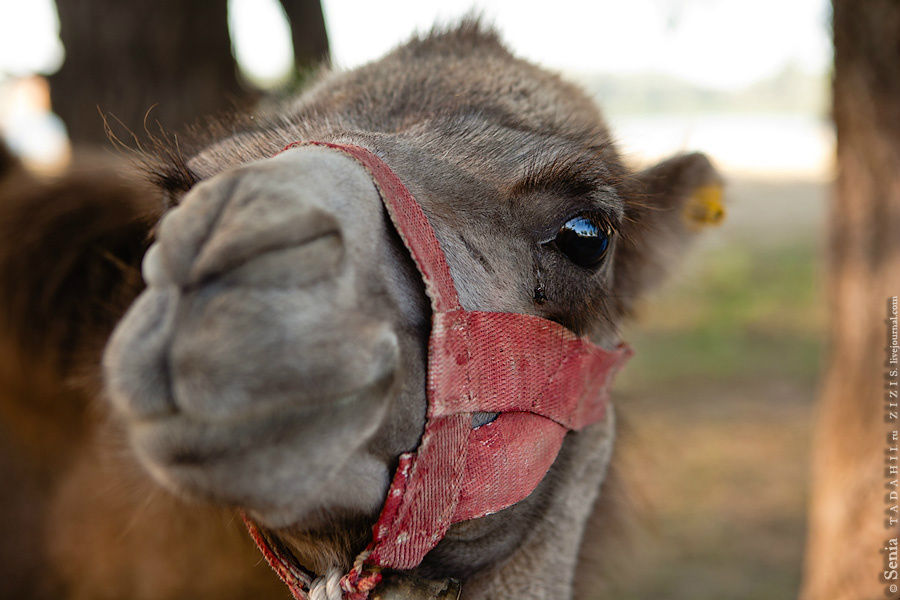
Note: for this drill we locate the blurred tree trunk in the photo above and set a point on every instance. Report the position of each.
(125, 57)
(849, 513)
(308, 33)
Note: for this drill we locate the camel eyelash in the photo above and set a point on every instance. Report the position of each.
(562, 177)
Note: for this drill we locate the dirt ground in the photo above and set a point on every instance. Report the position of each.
(718, 405)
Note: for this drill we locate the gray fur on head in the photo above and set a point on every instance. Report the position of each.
(276, 361)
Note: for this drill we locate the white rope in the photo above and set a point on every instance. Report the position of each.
(327, 587)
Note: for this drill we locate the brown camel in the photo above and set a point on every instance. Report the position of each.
(275, 361)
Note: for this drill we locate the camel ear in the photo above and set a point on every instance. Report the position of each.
(672, 201)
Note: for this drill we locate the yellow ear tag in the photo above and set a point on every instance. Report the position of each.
(705, 207)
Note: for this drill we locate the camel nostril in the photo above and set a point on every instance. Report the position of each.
(235, 217)
(184, 230)
(292, 267)
(269, 224)
(245, 216)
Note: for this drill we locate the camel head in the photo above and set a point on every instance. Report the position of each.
(276, 361)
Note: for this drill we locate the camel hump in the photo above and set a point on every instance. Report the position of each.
(70, 249)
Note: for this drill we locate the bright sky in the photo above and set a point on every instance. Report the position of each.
(719, 43)
(724, 44)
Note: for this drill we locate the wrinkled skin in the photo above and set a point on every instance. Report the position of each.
(276, 360)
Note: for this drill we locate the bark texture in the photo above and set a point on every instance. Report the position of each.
(308, 33)
(126, 57)
(850, 506)
(172, 56)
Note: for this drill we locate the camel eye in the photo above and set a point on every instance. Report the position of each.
(584, 239)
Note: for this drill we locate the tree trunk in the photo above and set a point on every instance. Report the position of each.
(126, 57)
(308, 33)
(851, 508)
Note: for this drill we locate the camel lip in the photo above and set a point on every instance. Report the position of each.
(251, 415)
(306, 510)
(368, 392)
(238, 475)
(180, 441)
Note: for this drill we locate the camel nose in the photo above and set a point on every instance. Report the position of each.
(255, 293)
(265, 224)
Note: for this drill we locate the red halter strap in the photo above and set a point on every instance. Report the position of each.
(542, 378)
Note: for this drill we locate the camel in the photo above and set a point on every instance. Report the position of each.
(274, 358)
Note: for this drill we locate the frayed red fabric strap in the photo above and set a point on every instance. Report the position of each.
(540, 377)
(297, 581)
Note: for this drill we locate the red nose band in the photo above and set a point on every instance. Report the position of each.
(540, 377)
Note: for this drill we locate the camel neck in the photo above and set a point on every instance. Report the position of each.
(543, 567)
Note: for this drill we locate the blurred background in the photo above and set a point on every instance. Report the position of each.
(717, 404)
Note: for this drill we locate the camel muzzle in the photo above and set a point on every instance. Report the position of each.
(259, 340)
